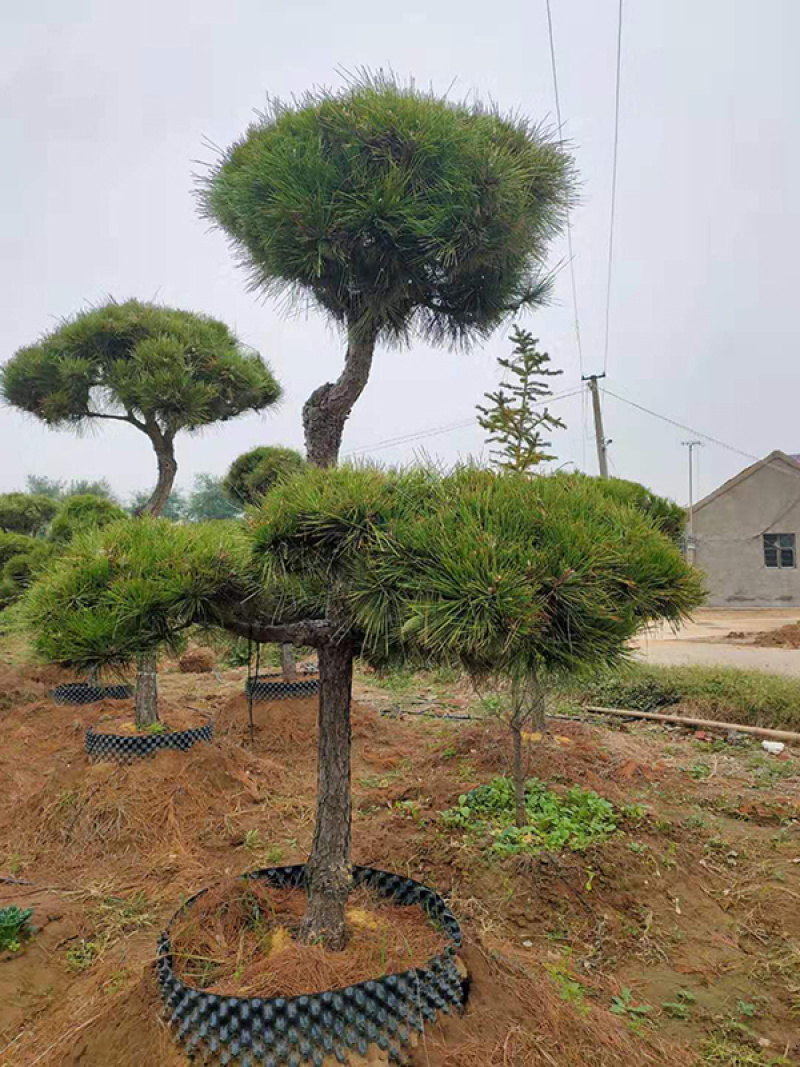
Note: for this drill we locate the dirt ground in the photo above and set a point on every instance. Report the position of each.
(676, 942)
(706, 641)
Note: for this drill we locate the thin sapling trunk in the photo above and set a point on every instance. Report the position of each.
(518, 772)
(146, 704)
(527, 709)
(328, 871)
(288, 665)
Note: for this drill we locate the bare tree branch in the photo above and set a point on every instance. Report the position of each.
(313, 632)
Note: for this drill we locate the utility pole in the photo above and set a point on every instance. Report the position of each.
(691, 445)
(599, 433)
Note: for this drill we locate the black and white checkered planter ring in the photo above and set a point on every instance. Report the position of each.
(86, 693)
(278, 689)
(125, 747)
(290, 1032)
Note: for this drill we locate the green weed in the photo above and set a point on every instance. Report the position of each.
(14, 927)
(82, 955)
(720, 1052)
(676, 1010)
(574, 821)
(569, 989)
(624, 1005)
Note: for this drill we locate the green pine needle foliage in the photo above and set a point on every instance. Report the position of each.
(139, 362)
(82, 512)
(514, 419)
(392, 210)
(495, 571)
(254, 473)
(26, 513)
(13, 544)
(668, 516)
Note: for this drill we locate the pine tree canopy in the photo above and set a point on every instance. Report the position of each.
(495, 571)
(394, 211)
(80, 513)
(514, 417)
(254, 473)
(26, 513)
(140, 363)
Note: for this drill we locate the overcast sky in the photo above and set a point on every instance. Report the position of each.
(105, 104)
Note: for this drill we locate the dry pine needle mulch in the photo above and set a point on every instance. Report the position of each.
(239, 939)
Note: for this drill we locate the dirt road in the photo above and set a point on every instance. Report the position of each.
(702, 641)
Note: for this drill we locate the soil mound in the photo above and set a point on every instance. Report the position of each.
(196, 661)
(786, 637)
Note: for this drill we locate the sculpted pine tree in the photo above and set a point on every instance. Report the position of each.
(503, 573)
(514, 419)
(157, 369)
(253, 474)
(398, 215)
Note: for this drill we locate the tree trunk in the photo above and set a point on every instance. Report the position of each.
(146, 708)
(328, 408)
(518, 772)
(288, 668)
(167, 469)
(328, 871)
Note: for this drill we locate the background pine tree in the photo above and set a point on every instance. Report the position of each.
(514, 419)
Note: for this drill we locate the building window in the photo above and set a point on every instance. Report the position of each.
(779, 550)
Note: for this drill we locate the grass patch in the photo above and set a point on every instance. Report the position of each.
(753, 698)
(720, 1052)
(573, 821)
(82, 955)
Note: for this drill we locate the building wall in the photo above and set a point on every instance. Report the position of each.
(728, 537)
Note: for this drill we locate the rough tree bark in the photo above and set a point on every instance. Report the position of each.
(146, 704)
(163, 445)
(328, 871)
(288, 665)
(328, 408)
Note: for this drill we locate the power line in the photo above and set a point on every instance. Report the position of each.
(682, 425)
(569, 222)
(613, 187)
(699, 433)
(435, 431)
(405, 438)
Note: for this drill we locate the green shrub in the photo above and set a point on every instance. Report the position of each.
(25, 513)
(14, 544)
(573, 821)
(83, 512)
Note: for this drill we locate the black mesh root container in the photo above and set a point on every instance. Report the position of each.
(269, 688)
(126, 747)
(308, 1030)
(86, 693)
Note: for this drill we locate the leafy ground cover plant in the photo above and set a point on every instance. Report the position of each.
(14, 927)
(555, 822)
